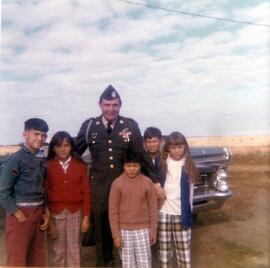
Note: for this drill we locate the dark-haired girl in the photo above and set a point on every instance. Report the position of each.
(68, 195)
(175, 215)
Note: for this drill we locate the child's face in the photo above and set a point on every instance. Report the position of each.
(132, 169)
(63, 150)
(34, 139)
(177, 151)
(152, 145)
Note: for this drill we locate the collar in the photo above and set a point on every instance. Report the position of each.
(64, 163)
(136, 178)
(39, 153)
(105, 121)
(173, 162)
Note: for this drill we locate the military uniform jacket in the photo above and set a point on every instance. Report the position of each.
(108, 150)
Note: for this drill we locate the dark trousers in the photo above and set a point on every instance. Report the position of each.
(25, 240)
(103, 236)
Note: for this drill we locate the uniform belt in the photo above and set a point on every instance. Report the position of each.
(29, 204)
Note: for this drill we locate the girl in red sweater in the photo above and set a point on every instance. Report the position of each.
(69, 200)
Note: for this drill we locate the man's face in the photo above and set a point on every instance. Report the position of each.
(132, 169)
(110, 108)
(34, 139)
(152, 145)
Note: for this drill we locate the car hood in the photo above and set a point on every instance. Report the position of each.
(210, 156)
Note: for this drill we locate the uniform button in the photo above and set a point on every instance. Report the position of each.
(109, 141)
(110, 149)
(111, 157)
(65, 181)
(111, 166)
(66, 193)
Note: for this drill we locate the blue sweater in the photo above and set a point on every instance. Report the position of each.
(186, 211)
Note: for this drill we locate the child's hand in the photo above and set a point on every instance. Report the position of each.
(20, 216)
(46, 220)
(117, 242)
(153, 239)
(161, 194)
(85, 224)
(160, 203)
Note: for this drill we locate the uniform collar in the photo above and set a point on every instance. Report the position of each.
(105, 121)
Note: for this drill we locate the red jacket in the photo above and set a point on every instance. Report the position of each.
(68, 190)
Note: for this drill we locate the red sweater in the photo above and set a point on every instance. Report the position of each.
(132, 204)
(68, 190)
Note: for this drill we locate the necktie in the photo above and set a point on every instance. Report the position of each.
(109, 127)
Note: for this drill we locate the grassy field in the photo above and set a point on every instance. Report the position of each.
(235, 236)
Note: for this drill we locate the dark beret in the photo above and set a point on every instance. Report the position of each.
(36, 124)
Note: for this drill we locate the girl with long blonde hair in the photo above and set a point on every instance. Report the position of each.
(175, 215)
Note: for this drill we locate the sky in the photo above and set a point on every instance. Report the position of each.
(200, 76)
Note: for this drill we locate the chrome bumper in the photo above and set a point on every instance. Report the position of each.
(207, 200)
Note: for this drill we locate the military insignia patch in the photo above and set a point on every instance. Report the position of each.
(125, 134)
(113, 94)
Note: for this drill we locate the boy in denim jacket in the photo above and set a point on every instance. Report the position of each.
(23, 198)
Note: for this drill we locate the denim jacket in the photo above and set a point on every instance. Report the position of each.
(186, 209)
(22, 180)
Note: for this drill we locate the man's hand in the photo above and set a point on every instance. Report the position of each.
(85, 224)
(20, 216)
(117, 242)
(46, 220)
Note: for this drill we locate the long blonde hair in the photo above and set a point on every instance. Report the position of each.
(177, 138)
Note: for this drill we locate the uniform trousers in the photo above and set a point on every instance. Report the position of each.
(25, 240)
(171, 232)
(136, 249)
(65, 250)
(103, 236)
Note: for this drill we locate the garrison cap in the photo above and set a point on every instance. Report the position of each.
(36, 124)
(110, 93)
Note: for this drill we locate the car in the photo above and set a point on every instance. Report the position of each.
(211, 189)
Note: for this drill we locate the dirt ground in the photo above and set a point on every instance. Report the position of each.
(235, 236)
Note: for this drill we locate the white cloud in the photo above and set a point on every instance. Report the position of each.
(256, 14)
(63, 53)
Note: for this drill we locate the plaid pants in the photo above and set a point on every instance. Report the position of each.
(65, 250)
(136, 249)
(171, 232)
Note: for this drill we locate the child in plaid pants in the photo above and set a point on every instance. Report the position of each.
(133, 214)
(67, 187)
(175, 215)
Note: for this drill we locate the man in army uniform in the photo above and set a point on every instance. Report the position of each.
(108, 136)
